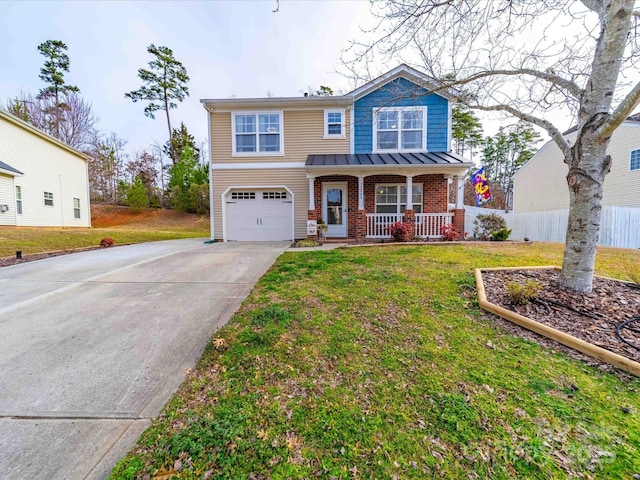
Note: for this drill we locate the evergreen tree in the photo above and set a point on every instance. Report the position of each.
(55, 66)
(180, 139)
(189, 183)
(466, 130)
(165, 83)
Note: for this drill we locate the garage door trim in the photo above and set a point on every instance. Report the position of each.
(223, 199)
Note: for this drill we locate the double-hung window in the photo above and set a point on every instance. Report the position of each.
(635, 160)
(48, 199)
(393, 198)
(76, 208)
(334, 123)
(399, 129)
(18, 200)
(258, 133)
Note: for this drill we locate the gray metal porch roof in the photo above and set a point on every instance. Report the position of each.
(412, 159)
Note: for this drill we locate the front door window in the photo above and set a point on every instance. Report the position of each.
(334, 206)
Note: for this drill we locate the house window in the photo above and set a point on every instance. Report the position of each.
(76, 208)
(399, 128)
(18, 200)
(334, 123)
(635, 160)
(48, 199)
(393, 198)
(258, 133)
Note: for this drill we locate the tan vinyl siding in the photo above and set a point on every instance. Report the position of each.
(294, 178)
(7, 197)
(541, 184)
(47, 167)
(303, 135)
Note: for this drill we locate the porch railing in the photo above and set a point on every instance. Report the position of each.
(377, 223)
(429, 225)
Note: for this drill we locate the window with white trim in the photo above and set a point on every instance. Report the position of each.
(334, 123)
(399, 129)
(259, 133)
(635, 160)
(48, 199)
(76, 208)
(393, 198)
(18, 200)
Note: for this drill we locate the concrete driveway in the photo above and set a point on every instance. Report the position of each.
(93, 344)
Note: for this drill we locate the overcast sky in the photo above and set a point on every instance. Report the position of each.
(229, 48)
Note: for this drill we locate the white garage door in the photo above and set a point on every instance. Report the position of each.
(259, 215)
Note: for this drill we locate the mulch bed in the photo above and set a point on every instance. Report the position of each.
(592, 317)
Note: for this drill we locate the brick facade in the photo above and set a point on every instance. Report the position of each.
(434, 198)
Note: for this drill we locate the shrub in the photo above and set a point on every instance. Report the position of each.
(400, 231)
(522, 294)
(448, 232)
(307, 242)
(501, 235)
(484, 225)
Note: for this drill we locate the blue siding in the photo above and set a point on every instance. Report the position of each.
(401, 93)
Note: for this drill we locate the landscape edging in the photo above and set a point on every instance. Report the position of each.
(561, 337)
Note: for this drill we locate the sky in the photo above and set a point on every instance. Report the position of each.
(229, 48)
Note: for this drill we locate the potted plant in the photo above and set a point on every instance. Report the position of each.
(322, 229)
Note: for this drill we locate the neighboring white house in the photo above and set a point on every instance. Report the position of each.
(43, 182)
(541, 185)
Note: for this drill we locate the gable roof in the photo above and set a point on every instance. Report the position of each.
(36, 131)
(9, 170)
(409, 73)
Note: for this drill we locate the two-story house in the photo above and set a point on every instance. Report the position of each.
(359, 162)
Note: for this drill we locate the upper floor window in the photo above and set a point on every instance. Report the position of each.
(258, 133)
(48, 199)
(18, 200)
(635, 160)
(334, 123)
(399, 128)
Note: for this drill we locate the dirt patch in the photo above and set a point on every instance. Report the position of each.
(594, 317)
(105, 216)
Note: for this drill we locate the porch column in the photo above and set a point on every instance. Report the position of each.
(361, 216)
(409, 192)
(460, 192)
(312, 199)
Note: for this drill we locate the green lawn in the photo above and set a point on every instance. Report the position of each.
(375, 363)
(44, 239)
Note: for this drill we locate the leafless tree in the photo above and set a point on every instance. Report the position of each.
(533, 59)
(69, 118)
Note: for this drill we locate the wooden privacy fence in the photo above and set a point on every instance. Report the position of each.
(620, 226)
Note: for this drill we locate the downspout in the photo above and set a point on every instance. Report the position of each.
(86, 162)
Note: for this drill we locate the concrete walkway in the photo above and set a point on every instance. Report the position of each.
(93, 344)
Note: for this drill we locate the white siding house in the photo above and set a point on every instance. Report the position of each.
(43, 182)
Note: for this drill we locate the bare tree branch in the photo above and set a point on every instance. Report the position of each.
(620, 114)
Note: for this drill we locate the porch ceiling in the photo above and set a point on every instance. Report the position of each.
(403, 163)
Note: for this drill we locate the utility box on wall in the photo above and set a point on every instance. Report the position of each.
(4, 208)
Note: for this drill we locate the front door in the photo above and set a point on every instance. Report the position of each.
(334, 208)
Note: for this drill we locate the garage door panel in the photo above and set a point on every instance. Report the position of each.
(259, 216)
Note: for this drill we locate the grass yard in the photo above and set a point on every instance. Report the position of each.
(115, 222)
(378, 363)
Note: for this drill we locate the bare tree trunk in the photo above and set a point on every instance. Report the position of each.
(589, 166)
